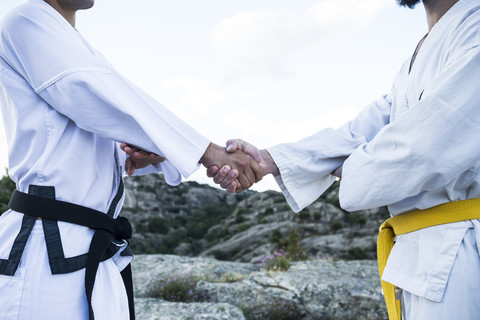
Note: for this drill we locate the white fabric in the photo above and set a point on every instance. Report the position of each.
(65, 110)
(461, 290)
(34, 293)
(415, 148)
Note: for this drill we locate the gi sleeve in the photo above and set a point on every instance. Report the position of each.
(76, 81)
(306, 166)
(426, 148)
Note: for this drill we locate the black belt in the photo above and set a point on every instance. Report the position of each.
(106, 229)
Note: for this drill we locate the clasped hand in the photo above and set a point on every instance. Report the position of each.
(236, 167)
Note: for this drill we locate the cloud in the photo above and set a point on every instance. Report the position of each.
(194, 94)
(265, 38)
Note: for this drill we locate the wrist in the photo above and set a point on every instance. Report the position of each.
(270, 166)
(207, 158)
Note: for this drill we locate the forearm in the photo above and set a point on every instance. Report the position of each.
(270, 166)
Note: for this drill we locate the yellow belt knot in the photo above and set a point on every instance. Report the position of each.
(412, 221)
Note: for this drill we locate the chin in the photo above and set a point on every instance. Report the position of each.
(77, 4)
(87, 4)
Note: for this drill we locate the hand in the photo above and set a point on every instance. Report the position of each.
(243, 167)
(138, 158)
(226, 177)
(337, 173)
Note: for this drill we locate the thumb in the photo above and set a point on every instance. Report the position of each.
(234, 144)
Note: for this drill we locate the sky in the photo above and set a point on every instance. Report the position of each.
(268, 71)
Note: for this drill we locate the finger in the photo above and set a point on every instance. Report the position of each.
(232, 175)
(123, 145)
(128, 150)
(221, 174)
(212, 171)
(133, 149)
(129, 166)
(244, 183)
(239, 188)
(232, 187)
(248, 172)
(141, 155)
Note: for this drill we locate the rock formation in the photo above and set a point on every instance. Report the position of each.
(310, 290)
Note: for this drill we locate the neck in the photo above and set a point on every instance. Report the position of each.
(67, 13)
(435, 10)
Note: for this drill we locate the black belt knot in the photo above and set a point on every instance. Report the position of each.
(106, 230)
(123, 228)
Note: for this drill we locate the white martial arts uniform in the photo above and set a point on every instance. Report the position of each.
(65, 109)
(415, 148)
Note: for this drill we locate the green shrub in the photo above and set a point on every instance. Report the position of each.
(173, 209)
(243, 227)
(262, 221)
(213, 234)
(304, 215)
(158, 225)
(240, 211)
(272, 309)
(356, 253)
(178, 191)
(334, 187)
(6, 188)
(177, 289)
(178, 221)
(221, 255)
(291, 244)
(203, 219)
(276, 237)
(225, 255)
(140, 227)
(279, 200)
(239, 219)
(225, 232)
(356, 218)
(333, 200)
(277, 263)
(268, 211)
(335, 226)
(295, 252)
(173, 239)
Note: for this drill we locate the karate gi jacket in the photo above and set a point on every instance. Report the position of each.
(414, 148)
(65, 109)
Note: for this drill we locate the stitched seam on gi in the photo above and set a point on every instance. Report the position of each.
(65, 73)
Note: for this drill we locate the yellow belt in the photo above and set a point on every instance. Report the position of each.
(412, 221)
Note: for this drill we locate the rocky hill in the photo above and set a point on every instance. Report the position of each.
(198, 220)
(276, 265)
(169, 287)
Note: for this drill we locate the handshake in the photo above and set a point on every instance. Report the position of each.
(235, 168)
